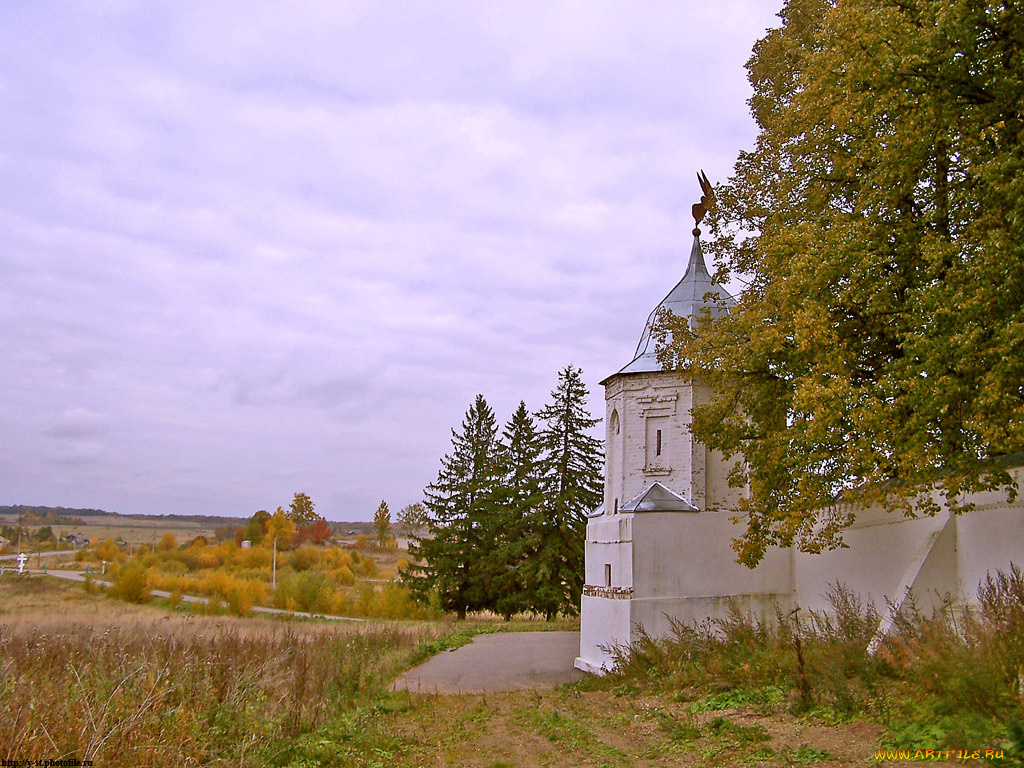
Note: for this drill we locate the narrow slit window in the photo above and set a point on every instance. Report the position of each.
(607, 574)
(616, 506)
(658, 450)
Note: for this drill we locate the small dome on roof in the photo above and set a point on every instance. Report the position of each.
(685, 300)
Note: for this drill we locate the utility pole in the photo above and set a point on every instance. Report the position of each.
(273, 584)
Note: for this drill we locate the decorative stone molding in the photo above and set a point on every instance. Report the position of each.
(615, 593)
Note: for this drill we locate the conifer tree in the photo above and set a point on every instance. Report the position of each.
(382, 524)
(459, 503)
(518, 499)
(571, 469)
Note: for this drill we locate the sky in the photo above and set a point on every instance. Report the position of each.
(249, 249)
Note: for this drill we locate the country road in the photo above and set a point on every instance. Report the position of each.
(39, 554)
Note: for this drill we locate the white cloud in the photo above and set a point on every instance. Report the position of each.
(269, 247)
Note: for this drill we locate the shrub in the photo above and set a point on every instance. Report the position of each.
(206, 557)
(132, 583)
(305, 557)
(364, 605)
(109, 551)
(305, 591)
(343, 576)
(255, 557)
(396, 602)
(337, 558)
(173, 567)
(240, 599)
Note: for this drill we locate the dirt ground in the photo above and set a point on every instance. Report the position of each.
(570, 726)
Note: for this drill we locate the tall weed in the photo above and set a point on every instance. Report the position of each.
(954, 677)
(186, 693)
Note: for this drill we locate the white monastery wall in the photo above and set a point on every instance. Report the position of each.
(680, 566)
(937, 559)
(672, 556)
(991, 537)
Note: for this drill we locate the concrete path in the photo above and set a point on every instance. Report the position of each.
(505, 661)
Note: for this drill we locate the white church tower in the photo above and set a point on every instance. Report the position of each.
(648, 410)
(649, 552)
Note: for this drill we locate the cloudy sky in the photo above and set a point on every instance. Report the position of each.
(253, 248)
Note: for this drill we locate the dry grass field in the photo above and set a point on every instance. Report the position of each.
(83, 676)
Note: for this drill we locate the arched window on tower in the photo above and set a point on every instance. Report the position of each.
(614, 448)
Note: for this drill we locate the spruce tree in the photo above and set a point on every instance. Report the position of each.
(518, 499)
(382, 524)
(571, 470)
(459, 503)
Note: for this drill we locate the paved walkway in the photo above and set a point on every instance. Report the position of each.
(504, 661)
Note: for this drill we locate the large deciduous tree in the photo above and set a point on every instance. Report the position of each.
(878, 349)
(459, 503)
(280, 530)
(413, 518)
(301, 510)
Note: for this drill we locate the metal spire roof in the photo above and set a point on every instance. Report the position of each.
(685, 300)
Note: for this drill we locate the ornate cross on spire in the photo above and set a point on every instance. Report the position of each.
(701, 208)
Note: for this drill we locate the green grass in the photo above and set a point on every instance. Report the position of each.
(764, 699)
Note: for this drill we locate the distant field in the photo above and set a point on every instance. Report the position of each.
(132, 530)
(148, 530)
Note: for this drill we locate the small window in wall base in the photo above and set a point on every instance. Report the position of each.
(607, 574)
